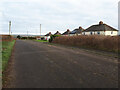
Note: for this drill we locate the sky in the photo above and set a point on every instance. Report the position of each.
(119, 17)
(55, 15)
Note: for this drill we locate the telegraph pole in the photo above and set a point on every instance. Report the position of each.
(9, 27)
(40, 29)
(27, 34)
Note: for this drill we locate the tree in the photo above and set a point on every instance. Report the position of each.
(19, 37)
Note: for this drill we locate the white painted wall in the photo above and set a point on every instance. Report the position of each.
(47, 37)
(111, 33)
(74, 34)
(114, 33)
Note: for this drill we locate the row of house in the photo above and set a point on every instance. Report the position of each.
(98, 29)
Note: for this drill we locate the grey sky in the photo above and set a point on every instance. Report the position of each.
(27, 15)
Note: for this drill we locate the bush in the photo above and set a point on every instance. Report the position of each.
(7, 37)
(52, 37)
(106, 43)
(19, 37)
(23, 37)
(31, 38)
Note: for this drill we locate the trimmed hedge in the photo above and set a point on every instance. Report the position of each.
(107, 43)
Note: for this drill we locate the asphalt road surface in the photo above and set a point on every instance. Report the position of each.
(39, 65)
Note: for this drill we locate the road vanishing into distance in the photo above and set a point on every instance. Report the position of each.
(41, 65)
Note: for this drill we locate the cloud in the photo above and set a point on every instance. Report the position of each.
(56, 14)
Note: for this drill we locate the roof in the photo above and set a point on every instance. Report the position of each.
(67, 32)
(57, 33)
(100, 27)
(48, 34)
(77, 31)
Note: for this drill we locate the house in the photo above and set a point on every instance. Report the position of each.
(101, 29)
(47, 36)
(38, 37)
(66, 33)
(77, 31)
(57, 33)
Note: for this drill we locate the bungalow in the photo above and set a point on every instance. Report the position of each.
(77, 31)
(47, 36)
(57, 33)
(66, 33)
(101, 29)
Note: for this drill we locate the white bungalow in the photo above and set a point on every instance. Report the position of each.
(47, 36)
(101, 29)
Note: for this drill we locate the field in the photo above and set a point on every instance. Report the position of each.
(106, 43)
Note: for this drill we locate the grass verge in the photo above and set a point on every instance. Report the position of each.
(41, 40)
(6, 52)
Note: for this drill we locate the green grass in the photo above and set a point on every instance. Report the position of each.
(41, 40)
(6, 52)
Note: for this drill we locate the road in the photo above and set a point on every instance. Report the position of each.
(39, 65)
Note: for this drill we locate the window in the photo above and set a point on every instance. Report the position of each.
(84, 33)
(98, 33)
(91, 33)
(111, 32)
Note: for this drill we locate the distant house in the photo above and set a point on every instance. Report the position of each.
(47, 36)
(77, 31)
(66, 33)
(38, 37)
(57, 33)
(100, 29)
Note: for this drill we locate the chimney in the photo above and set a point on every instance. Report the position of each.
(100, 23)
(68, 30)
(80, 27)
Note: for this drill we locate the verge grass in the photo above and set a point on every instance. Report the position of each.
(41, 40)
(6, 52)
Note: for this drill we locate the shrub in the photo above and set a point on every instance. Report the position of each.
(23, 37)
(52, 37)
(7, 37)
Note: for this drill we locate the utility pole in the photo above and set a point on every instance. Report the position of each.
(9, 27)
(40, 29)
(27, 34)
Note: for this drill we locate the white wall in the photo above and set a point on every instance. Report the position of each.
(115, 33)
(47, 37)
(94, 33)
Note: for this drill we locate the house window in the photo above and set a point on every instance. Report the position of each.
(111, 32)
(98, 33)
(91, 33)
(84, 33)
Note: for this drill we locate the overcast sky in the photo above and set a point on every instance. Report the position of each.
(27, 15)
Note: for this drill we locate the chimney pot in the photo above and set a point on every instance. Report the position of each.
(80, 27)
(100, 23)
(68, 30)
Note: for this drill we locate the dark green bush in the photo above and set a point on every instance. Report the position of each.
(23, 37)
(52, 37)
